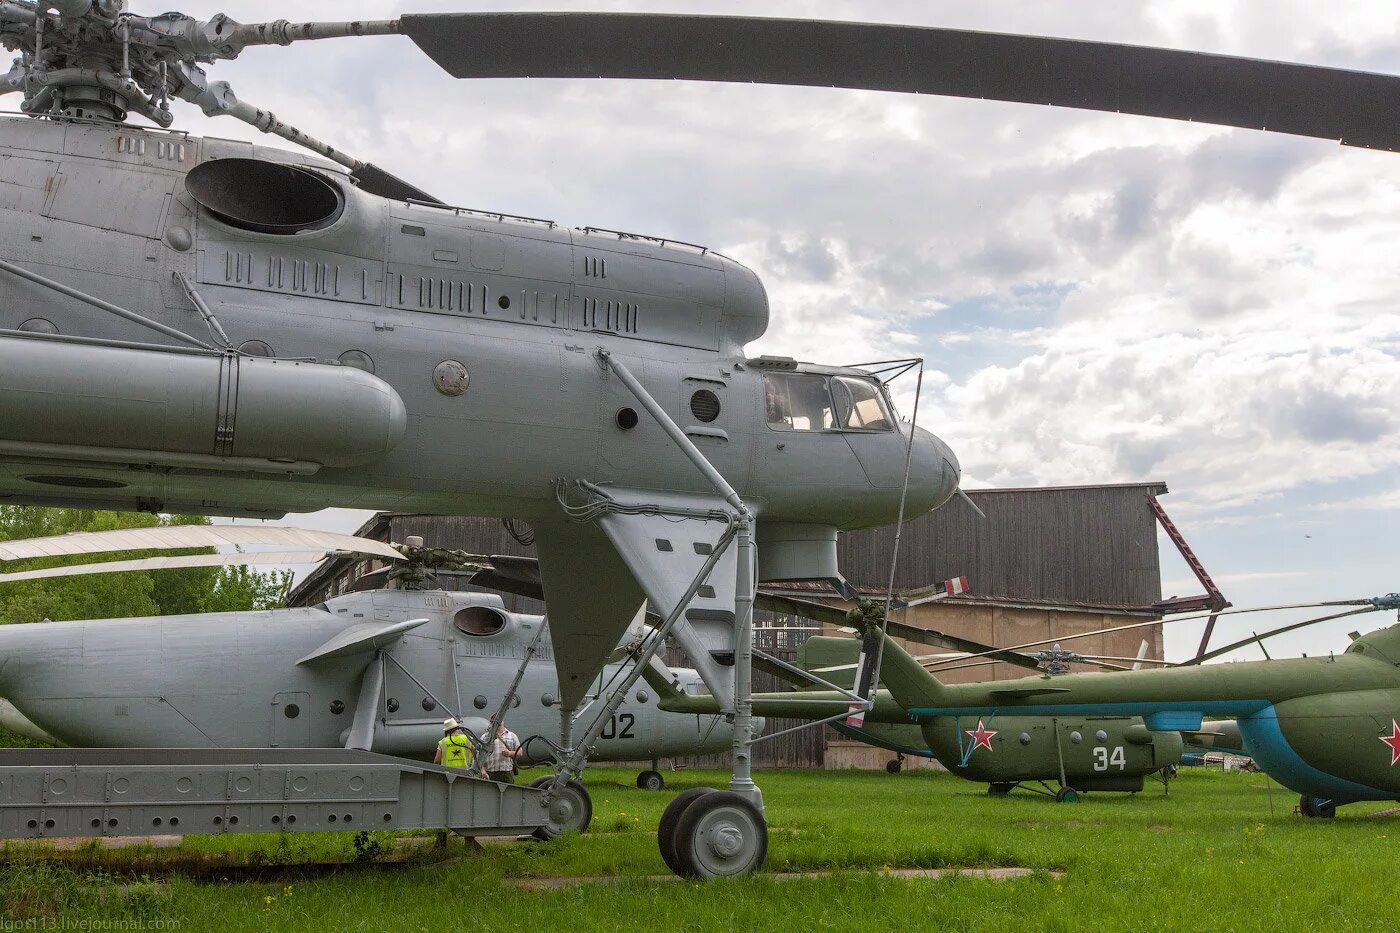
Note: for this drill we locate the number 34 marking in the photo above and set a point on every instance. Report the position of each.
(1102, 758)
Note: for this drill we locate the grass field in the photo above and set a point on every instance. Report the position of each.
(1209, 855)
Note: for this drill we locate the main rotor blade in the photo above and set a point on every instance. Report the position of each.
(1371, 605)
(496, 578)
(375, 180)
(1142, 660)
(1357, 108)
(804, 608)
(179, 537)
(974, 648)
(832, 615)
(1253, 639)
(275, 558)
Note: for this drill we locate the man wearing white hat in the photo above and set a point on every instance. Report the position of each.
(455, 750)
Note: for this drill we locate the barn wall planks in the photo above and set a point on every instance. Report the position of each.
(1091, 544)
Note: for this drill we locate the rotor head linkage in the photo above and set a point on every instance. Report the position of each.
(223, 38)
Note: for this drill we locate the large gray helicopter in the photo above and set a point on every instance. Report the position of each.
(377, 670)
(360, 344)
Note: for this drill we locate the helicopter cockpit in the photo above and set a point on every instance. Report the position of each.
(806, 398)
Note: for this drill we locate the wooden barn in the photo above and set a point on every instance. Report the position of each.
(1042, 563)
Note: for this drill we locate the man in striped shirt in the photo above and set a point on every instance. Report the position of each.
(500, 764)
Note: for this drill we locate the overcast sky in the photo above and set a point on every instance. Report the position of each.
(1100, 298)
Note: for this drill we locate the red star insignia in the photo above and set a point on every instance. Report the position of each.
(1393, 740)
(982, 738)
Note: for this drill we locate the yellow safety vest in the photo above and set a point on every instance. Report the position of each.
(456, 752)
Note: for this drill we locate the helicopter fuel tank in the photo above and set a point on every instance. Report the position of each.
(59, 393)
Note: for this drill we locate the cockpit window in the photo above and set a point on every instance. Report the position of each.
(860, 405)
(798, 402)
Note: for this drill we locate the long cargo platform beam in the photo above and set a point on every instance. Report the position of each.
(141, 791)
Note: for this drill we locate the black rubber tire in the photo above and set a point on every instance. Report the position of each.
(1066, 795)
(703, 816)
(1316, 807)
(894, 766)
(544, 833)
(651, 780)
(666, 829)
(1000, 789)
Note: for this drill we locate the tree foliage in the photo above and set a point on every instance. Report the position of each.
(124, 595)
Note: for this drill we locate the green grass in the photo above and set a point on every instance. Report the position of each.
(1209, 855)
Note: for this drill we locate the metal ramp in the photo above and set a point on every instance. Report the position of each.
(141, 791)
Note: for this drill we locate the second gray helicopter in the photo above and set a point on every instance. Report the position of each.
(376, 670)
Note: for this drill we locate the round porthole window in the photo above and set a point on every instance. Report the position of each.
(1025, 738)
(291, 711)
(643, 696)
(392, 706)
(429, 704)
(626, 418)
(479, 702)
(1076, 738)
(1101, 736)
(38, 325)
(358, 359)
(547, 699)
(337, 707)
(704, 405)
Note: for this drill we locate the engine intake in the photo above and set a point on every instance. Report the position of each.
(265, 197)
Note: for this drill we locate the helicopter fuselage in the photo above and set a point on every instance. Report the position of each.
(389, 355)
(234, 680)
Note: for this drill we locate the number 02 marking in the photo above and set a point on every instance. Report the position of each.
(1103, 759)
(619, 727)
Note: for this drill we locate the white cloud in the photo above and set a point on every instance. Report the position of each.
(1380, 502)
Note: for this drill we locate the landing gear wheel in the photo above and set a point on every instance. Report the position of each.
(1316, 807)
(894, 765)
(1000, 788)
(666, 829)
(651, 780)
(720, 835)
(571, 808)
(1066, 795)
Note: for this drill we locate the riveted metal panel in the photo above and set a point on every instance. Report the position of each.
(25, 183)
(96, 195)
